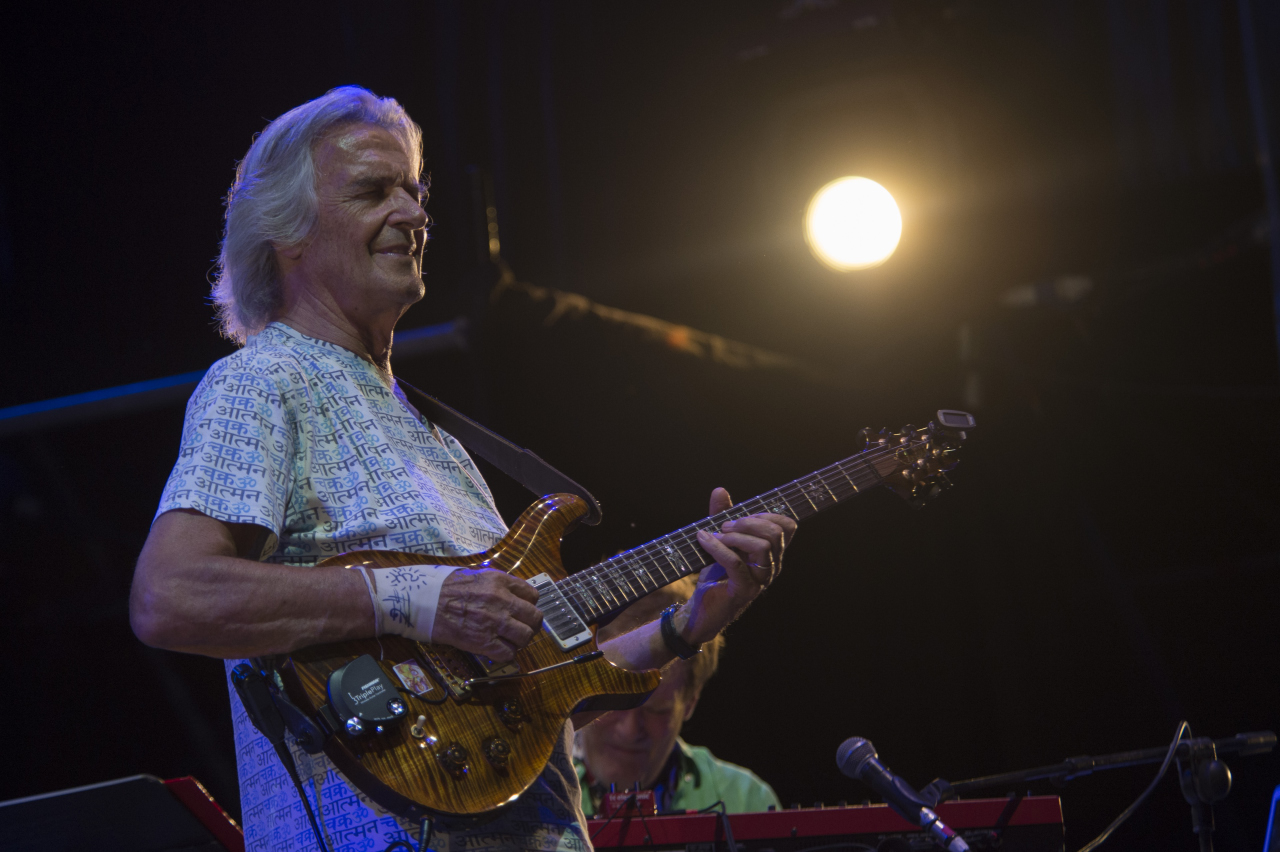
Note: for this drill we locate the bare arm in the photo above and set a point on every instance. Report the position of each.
(195, 591)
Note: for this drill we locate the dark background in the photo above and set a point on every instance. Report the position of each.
(1108, 562)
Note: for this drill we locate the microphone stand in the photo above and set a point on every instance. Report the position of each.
(1203, 777)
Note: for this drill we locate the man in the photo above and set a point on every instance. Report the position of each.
(300, 446)
(643, 745)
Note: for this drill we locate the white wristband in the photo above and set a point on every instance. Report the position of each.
(405, 598)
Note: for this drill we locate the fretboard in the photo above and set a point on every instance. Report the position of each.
(608, 586)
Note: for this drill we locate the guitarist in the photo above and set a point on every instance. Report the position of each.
(300, 446)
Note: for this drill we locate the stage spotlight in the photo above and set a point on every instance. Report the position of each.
(852, 223)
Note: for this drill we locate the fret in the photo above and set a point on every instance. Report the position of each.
(778, 504)
(824, 484)
(643, 576)
(695, 557)
(836, 485)
(613, 580)
(592, 606)
(652, 566)
(805, 494)
(572, 593)
(682, 568)
(644, 566)
(840, 465)
(602, 589)
(623, 571)
(818, 492)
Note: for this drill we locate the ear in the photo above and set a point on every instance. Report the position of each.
(691, 705)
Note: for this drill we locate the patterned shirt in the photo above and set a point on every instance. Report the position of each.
(311, 442)
(694, 779)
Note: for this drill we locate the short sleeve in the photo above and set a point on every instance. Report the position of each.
(238, 444)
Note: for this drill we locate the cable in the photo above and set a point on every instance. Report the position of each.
(720, 809)
(1128, 812)
(255, 696)
(631, 800)
(286, 758)
(434, 702)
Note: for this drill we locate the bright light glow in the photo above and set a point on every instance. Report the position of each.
(852, 223)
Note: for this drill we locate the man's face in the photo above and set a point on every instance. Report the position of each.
(366, 248)
(627, 746)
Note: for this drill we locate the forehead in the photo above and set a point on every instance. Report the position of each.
(672, 685)
(358, 150)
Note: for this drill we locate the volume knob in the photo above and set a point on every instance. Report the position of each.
(454, 758)
(497, 752)
(512, 714)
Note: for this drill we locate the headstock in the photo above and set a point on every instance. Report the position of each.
(914, 462)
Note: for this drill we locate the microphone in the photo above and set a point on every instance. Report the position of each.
(856, 758)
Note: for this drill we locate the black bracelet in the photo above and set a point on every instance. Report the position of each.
(671, 637)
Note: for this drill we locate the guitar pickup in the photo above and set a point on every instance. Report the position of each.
(559, 617)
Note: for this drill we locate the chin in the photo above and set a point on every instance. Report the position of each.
(624, 775)
(409, 289)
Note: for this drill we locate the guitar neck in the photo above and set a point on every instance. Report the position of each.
(615, 583)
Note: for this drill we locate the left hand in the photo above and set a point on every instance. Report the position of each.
(748, 557)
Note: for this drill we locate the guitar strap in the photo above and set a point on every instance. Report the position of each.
(520, 464)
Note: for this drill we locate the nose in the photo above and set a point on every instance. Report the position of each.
(407, 214)
(630, 723)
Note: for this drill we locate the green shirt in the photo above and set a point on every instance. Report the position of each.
(702, 780)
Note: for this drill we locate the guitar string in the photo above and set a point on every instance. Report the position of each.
(604, 575)
(608, 576)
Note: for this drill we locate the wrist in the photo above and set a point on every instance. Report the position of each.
(674, 623)
(405, 598)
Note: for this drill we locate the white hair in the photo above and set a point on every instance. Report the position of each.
(273, 200)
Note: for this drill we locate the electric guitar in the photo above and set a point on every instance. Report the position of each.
(428, 730)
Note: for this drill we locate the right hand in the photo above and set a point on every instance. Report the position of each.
(486, 612)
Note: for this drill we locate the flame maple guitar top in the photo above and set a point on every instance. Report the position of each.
(405, 773)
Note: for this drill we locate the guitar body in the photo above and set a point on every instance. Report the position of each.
(453, 762)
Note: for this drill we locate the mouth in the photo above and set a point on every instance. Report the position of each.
(397, 250)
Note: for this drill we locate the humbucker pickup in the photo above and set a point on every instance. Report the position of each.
(561, 619)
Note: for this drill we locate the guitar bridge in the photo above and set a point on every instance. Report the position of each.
(495, 669)
(558, 616)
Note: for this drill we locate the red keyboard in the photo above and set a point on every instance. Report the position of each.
(1029, 824)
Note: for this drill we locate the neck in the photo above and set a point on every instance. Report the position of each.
(615, 583)
(367, 333)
